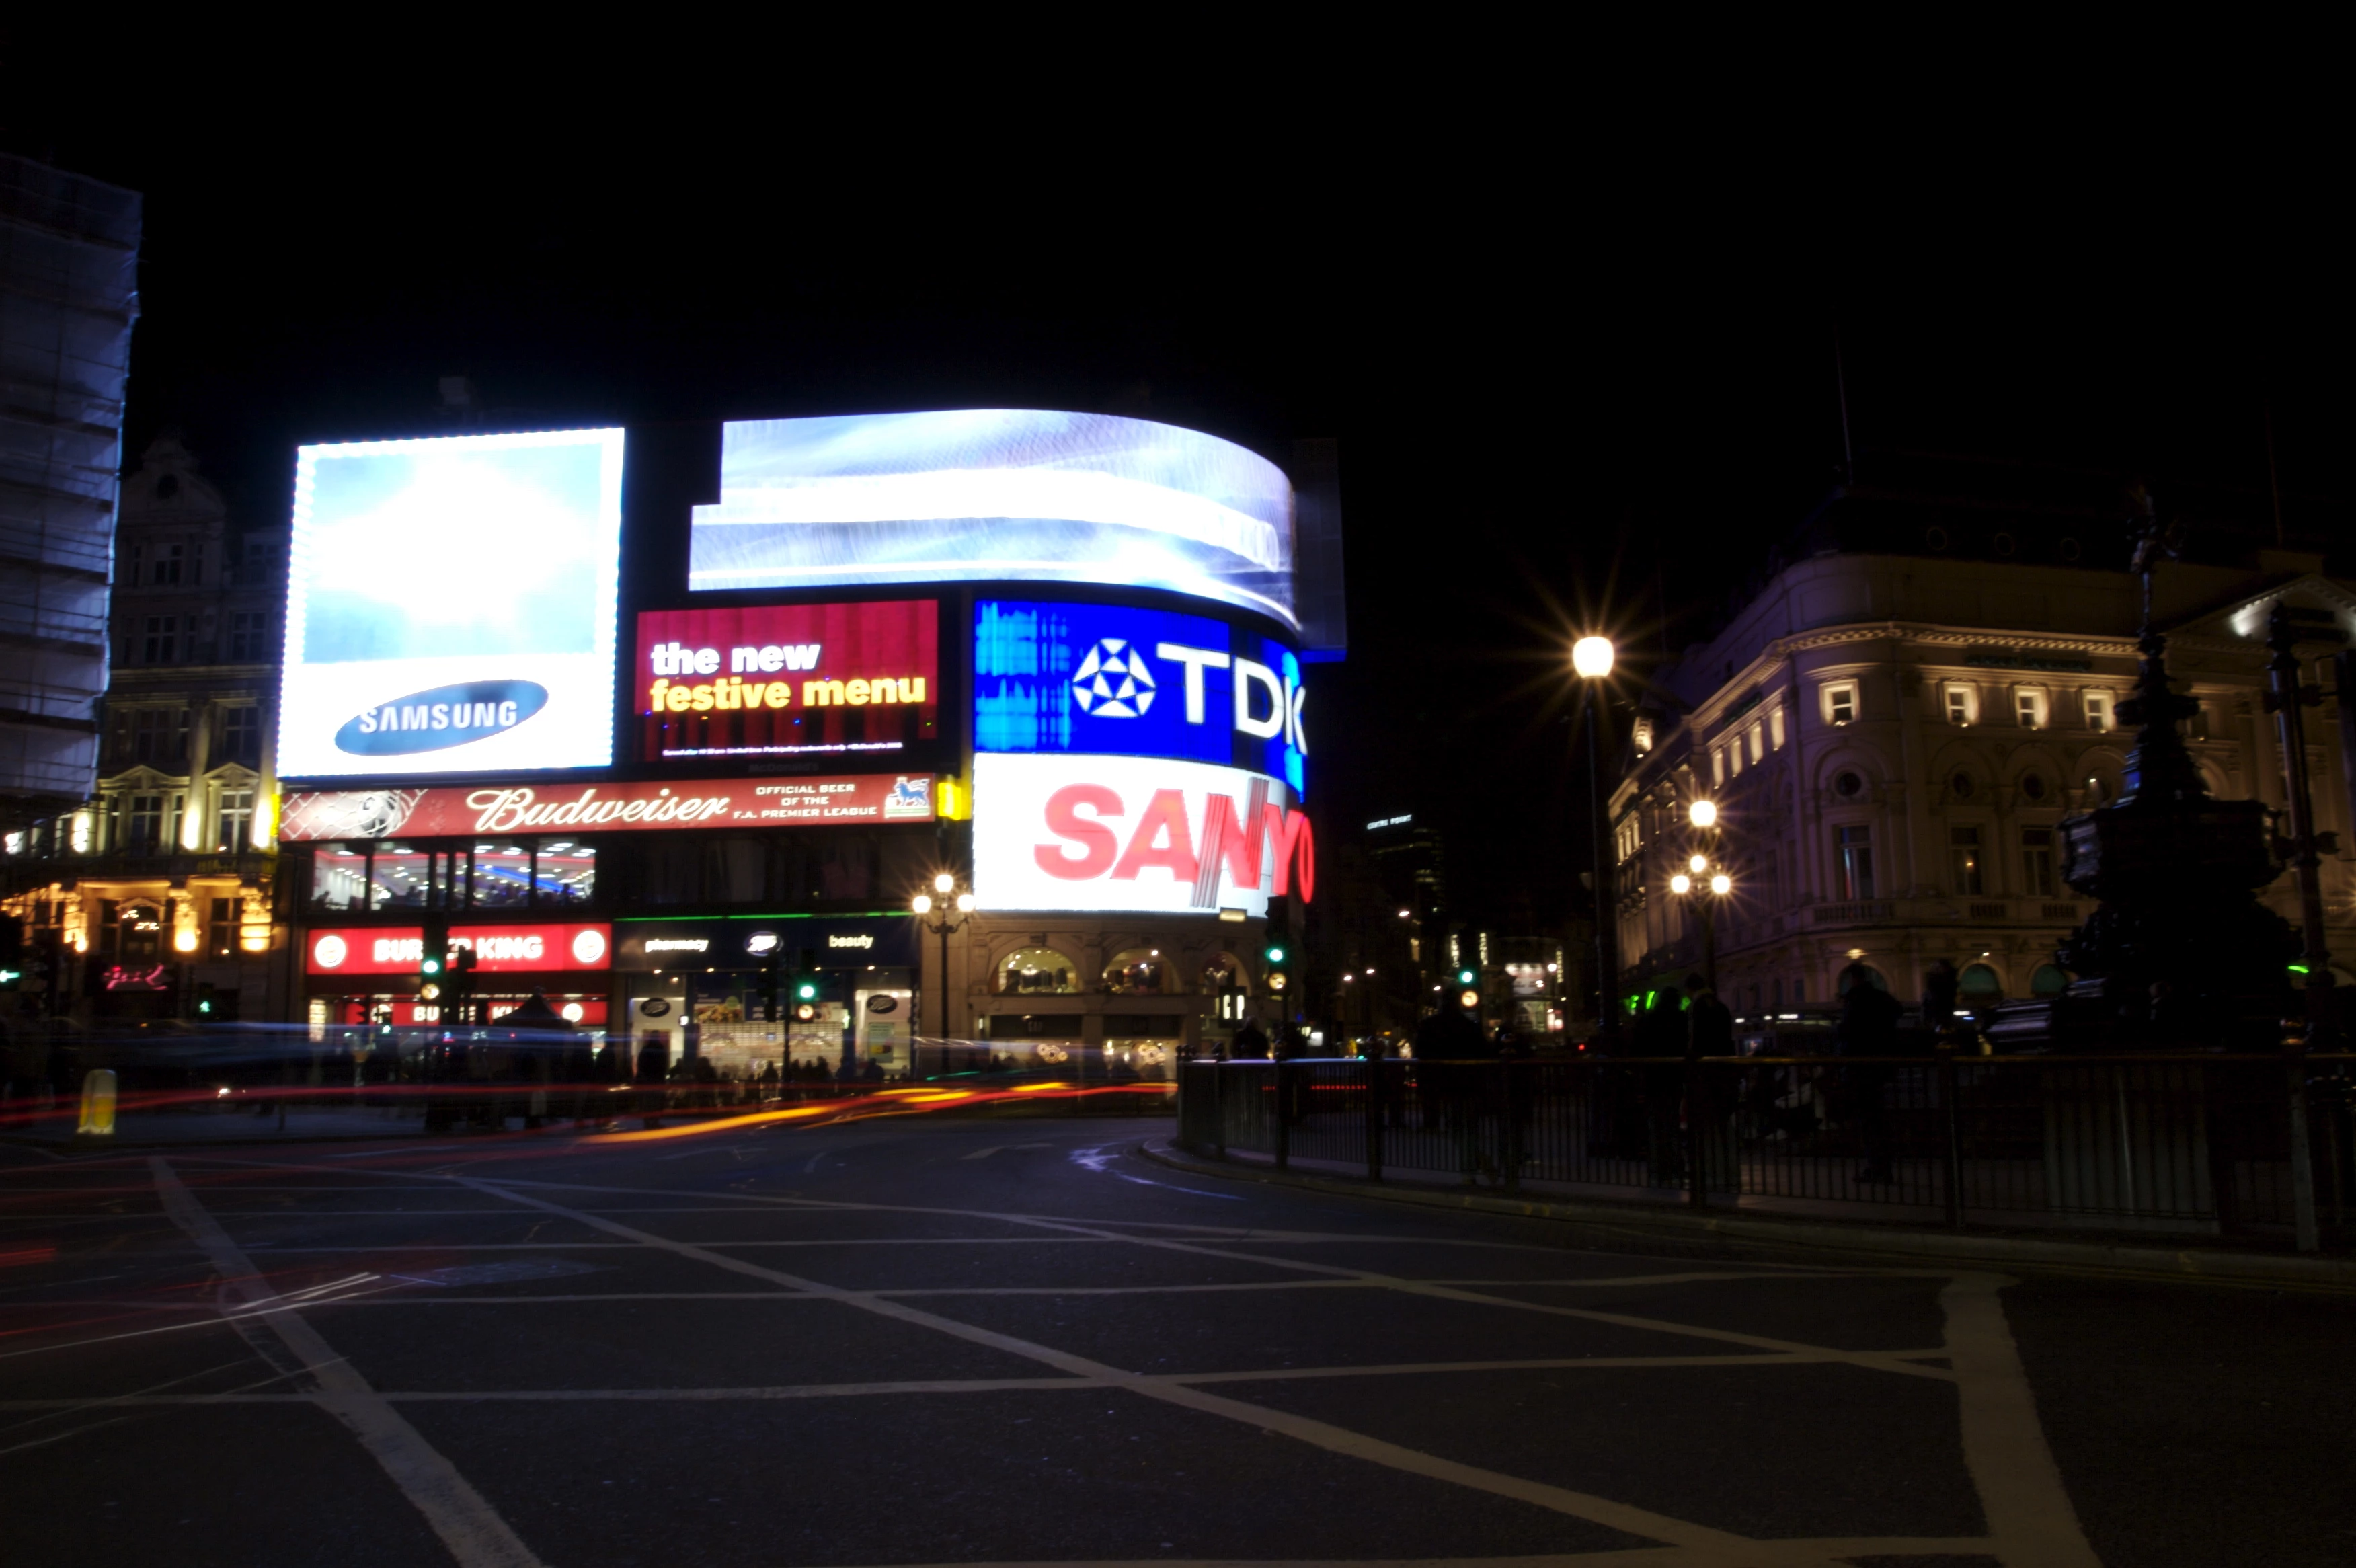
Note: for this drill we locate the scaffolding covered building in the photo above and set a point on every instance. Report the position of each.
(68, 296)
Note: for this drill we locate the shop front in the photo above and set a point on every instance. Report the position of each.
(368, 975)
(730, 989)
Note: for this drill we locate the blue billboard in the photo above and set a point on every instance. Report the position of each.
(1109, 679)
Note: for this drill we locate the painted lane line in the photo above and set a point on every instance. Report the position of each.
(473, 1530)
(1723, 1548)
(2021, 1493)
(1097, 1160)
(983, 1153)
(380, 1154)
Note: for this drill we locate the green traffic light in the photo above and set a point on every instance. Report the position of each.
(1276, 955)
(807, 991)
(1465, 977)
(432, 966)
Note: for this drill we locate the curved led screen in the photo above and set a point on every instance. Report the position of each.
(995, 495)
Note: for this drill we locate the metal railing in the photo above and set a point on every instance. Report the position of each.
(2259, 1148)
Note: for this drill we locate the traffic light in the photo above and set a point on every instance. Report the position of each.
(433, 958)
(1467, 976)
(806, 994)
(1280, 959)
(205, 1002)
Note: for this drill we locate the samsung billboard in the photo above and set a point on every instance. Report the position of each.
(996, 495)
(451, 605)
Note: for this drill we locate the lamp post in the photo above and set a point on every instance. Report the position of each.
(1592, 658)
(1700, 868)
(941, 926)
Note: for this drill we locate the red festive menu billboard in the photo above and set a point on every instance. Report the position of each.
(781, 679)
(605, 807)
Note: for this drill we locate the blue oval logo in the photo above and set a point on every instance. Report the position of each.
(442, 717)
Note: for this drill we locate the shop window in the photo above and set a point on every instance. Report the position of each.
(2037, 861)
(503, 875)
(1036, 972)
(401, 876)
(1964, 870)
(1138, 971)
(1854, 849)
(1223, 973)
(1840, 702)
(564, 874)
(339, 879)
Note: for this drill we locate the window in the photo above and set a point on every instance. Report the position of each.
(1775, 726)
(1854, 847)
(1849, 786)
(160, 646)
(1717, 767)
(2029, 707)
(142, 825)
(2032, 786)
(236, 820)
(240, 735)
(1979, 986)
(2037, 861)
(165, 571)
(249, 636)
(1138, 971)
(503, 875)
(221, 928)
(2049, 980)
(1758, 742)
(1840, 703)
(1734, 758)
(2098, 712)
(1962, 704)
(1964, 861)
(565, 874)
(339, 877)
(159, 737)
(1035, 971)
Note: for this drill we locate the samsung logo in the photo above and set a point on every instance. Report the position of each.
(440, 717)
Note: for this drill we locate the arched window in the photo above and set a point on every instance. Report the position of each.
(1979, 985)
(1137, 971)
(1035, 971)
(2051, 980)
(1847, 977)
(1225, 971)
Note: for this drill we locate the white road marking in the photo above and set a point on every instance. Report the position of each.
(473, 1530)
(1100, 1162)
(2028, 1507)
(379, 1153)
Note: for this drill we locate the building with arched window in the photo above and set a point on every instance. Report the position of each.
(1894, 727)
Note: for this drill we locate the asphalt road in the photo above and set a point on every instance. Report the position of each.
(935, 1341)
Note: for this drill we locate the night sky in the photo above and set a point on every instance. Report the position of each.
(1554, 400)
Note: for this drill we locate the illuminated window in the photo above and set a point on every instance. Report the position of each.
(221, 928)
(2029, 707)
(1718, 765)
(1775, 726)
(339, 877)
(1034, 972)
(236, 820)
(2099, 715)
(564, 874)
(1964, 861)
(1734, 758)
(1138, 971)
(1758, 742)
(1840, 702)
(1962, 704)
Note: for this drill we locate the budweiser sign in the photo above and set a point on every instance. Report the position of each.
(313, 816)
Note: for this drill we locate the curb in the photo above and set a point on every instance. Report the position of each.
(2186, 1264)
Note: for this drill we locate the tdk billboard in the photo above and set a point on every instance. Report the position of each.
(1103, 679)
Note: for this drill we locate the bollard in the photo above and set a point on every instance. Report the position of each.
(97, 1104)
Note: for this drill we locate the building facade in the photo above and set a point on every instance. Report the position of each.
(157, 896)
(1892, 741)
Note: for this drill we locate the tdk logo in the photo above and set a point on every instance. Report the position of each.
(1267, 704)
(440, 717)
(1114, 682)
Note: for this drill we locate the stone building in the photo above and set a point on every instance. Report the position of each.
(1894, 724)
(161, 888)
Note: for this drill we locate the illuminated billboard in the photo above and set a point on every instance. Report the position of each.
(778, 680)
(1107, 679)
(450, 605)
(996, 495)
(1125, 833)
(397, 949)
(319, 816)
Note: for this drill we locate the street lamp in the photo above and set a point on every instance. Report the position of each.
(941, 926)
(1701, 872)
(1592, 658)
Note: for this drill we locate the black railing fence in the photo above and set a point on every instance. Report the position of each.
(2258, 1147)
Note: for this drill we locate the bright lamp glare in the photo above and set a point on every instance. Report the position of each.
(922, 903)
(1721, 885)
(965, 903)
(944, 883)
(1703, 813)
(1591, 657)
(1680, 882)
(1697, 864)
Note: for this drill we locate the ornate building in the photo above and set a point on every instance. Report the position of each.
(158, 896)
(1893, 736)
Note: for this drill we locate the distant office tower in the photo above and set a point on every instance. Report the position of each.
(69, 295)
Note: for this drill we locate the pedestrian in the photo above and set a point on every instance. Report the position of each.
(1710, 1032)
(1661, 1038)
(1250, 1043)
(1869, 1030)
